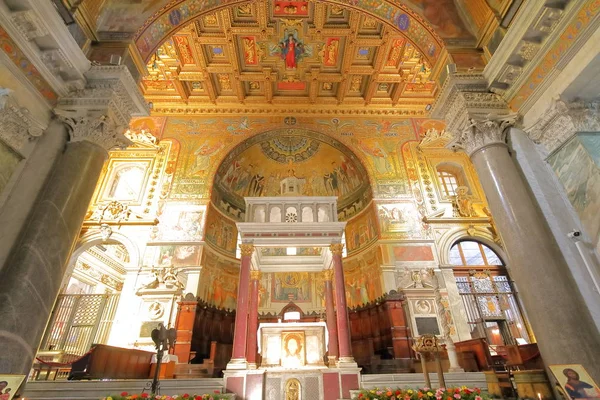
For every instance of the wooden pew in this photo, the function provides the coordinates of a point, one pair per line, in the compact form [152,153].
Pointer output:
[108,362]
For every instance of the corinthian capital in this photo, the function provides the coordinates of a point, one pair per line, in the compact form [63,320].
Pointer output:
[101,111]
[247,249]
[100,130]
[478,134]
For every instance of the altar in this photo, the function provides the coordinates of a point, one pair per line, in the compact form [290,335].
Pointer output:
[292,344]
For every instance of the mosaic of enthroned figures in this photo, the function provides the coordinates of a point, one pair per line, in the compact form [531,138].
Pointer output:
[271,52]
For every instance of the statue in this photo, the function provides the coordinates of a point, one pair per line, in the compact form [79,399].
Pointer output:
[462,203]
[153,282]
[170,278]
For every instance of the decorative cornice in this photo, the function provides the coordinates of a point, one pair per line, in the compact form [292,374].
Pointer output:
[247,249]
[562,120]
[534,25]
[17,127]
[204,109]
[58,56]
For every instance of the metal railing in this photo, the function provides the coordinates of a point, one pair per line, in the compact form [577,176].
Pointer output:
[78,321]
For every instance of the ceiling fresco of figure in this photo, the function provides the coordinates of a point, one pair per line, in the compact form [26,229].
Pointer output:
[291,53]
[324,166]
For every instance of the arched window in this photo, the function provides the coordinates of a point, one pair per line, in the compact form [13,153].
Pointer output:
[493,309]
[450,176]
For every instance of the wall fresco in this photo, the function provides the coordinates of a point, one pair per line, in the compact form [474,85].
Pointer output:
[363,278]
[291,286]
[399,220]
[179,222]
[219,281]
[220,231]
[361,231]
[579,174]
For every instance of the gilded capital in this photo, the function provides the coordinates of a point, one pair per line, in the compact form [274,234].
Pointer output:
[247,249]
[336,249]
[255,275]
[327,274]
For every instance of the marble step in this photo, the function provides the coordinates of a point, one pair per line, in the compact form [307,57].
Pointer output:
[95,390]
[417,380]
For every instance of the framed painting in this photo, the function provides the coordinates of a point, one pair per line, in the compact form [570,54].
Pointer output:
[575,381]
[9,385]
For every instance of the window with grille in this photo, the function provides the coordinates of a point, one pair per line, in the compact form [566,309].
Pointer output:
[490,300]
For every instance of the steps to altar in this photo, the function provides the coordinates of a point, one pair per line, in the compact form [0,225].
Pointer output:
[94,390]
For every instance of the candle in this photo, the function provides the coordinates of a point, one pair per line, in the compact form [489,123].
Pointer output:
[539,396]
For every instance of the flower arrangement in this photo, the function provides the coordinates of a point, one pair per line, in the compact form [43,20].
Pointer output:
[186,396]
[458,393]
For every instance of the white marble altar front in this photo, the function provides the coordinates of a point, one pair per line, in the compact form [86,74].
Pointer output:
[292,344]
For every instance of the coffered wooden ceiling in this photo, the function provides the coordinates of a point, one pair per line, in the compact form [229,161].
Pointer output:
[289,55]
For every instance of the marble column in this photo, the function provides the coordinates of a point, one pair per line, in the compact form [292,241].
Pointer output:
[343,324]
[30,281]
[238,358]
[333,351]
[253,319]
[562,324]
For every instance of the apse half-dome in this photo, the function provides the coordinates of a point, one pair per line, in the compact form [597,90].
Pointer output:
[323,166]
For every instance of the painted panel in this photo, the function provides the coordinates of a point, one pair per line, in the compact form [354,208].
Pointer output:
[413,253]
[291,286]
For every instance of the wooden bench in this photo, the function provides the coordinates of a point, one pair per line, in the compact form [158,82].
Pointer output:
[108,362]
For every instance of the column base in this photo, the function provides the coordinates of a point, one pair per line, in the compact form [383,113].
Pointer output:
[456,369]
[252,365]
[346,362]
[237,364]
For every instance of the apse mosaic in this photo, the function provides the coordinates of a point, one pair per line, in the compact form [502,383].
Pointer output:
[324,167]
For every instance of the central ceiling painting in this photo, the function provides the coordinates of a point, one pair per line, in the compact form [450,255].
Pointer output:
[323,166]
[289,52]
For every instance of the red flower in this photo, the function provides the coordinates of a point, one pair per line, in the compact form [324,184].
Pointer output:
[388,393]
[144,395]
[124,394]
[360,395]
[420,395]
[457,390]
[398,392]
[186,396]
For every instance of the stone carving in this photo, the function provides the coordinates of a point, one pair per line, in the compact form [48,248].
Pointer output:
[17,127]
[105,232]
[478,134]
[562,120]
[415,279]
[114,211]
[462,203]
[155,310]
[99,130]
[434,137]
[142,138]
[100,112]
[162,278]
[29,24]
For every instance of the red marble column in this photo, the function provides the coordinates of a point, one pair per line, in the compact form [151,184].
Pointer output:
[343,325]
[238,358]
[330,312]
[253,319]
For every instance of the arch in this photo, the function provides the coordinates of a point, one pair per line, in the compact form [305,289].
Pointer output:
[237,166]
[175,15]
[451,237]
[93,238]
[307,214]
[275,214]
